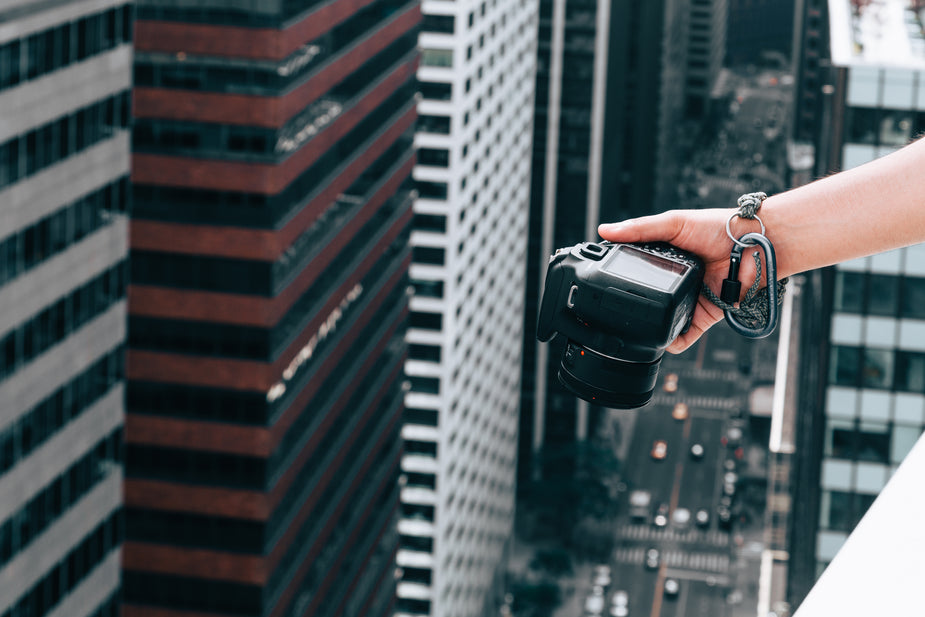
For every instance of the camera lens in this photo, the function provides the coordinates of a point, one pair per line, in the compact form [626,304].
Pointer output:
[607,381]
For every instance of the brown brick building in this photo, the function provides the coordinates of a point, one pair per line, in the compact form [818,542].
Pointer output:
[269,247]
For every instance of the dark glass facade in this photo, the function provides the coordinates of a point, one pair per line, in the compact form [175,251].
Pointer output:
[627,159]
[272,153]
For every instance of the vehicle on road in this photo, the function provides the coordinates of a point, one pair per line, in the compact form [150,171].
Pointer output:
[680,412]
[660,519]
[672,587]
[620,604]
[594,604]
[697,451]
[659,449]
[671,383]
[681,518]
[640,504]
[601,576]
[702,517]
[653,559]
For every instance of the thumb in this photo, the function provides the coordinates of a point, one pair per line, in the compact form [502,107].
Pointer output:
[664,227]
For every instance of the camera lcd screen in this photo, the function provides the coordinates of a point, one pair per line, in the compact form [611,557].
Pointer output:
[650,270]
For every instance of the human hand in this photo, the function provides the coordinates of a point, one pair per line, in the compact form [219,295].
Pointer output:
[702,232]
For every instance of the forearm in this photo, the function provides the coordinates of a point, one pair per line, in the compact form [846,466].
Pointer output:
[869,209]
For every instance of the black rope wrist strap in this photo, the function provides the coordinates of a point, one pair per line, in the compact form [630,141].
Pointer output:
[753,316]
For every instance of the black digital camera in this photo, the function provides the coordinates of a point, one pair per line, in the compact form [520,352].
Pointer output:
[619,306]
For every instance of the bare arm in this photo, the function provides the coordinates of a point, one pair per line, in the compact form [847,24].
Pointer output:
[872,208]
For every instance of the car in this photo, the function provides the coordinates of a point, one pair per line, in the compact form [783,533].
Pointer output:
[594,604]
[602,579]
[702,517]
[671,383]
[680,412]
[620,604]
[672,587]
[652,559]
[724,517]
[733,437]
[681,518]
[697,451]
[729,464]
[659,449]
[661,515]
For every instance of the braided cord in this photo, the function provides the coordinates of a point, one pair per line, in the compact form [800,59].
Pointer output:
[753,310]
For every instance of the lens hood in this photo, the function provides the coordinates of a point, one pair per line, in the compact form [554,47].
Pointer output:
[629,385]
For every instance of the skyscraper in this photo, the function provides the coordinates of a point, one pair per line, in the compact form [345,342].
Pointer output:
[271,168]
[466,325]
[65,78]
[609,102]
[875,400]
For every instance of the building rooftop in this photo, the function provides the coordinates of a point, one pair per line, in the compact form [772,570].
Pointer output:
[878,32]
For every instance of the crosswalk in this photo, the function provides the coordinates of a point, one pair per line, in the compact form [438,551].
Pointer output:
[701,402]
[684,560]
[648,533]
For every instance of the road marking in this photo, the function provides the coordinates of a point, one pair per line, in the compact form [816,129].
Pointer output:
[659,590]
[679,467]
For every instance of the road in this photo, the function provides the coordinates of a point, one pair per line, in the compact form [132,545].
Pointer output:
[714,381]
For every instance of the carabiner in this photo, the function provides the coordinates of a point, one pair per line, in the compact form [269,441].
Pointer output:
[751,239]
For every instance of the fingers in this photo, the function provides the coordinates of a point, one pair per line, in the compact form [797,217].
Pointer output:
[659,227]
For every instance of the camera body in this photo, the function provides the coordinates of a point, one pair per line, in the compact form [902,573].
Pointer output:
[619,306]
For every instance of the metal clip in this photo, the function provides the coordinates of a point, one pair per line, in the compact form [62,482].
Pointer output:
[752,239]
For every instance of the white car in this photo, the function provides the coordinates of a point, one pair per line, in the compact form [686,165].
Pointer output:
[594,604]
[619,605]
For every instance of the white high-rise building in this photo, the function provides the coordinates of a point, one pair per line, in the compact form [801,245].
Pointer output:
[478,63]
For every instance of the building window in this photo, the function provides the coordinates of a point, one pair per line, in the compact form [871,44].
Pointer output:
[423,417]
[425,385]
[443,24]
[434,124]
[413,446]
[437,57]
[430,255]
[427,353]
[877,371]
[428,289]
[849,291]
[436,157]
[425,321]
[429,222]
[432,190]
[913,298]
[436,91]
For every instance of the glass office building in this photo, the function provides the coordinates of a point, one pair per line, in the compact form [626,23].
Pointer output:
[875,403]
[65,79]
[272,158]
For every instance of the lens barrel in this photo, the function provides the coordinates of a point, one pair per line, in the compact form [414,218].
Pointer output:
[607,381]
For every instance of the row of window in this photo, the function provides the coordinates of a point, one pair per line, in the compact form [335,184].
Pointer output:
[277,79]
[858,444]
[69,487]
[269,211]
[28,154]
[880,294]
[48,592]
[59,408]
[55,233]
[884,369]
[268,343]
[223,140]
[41,53]
[883,127]
[50,326]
